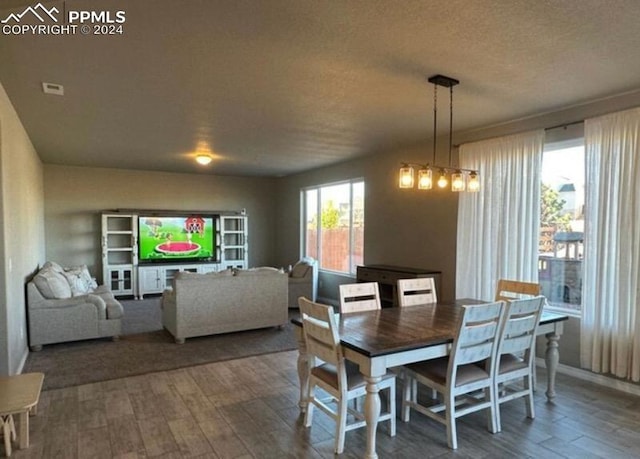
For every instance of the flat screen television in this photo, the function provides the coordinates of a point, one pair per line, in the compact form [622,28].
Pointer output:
[177,238]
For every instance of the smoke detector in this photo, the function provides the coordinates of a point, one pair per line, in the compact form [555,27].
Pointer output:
[53,88]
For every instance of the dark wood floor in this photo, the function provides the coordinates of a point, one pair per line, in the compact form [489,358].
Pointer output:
[247,408]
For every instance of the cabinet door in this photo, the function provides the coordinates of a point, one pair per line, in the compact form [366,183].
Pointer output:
[121,281]
[151,280]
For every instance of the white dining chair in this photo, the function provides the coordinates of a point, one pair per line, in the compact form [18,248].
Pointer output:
[459,375]
[418,290]
[331,372]
[508,290]
[363,296]
[360,297]
[515,353]
[412,292]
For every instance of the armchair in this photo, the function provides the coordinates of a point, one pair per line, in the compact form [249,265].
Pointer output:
[63,306]
[303,281]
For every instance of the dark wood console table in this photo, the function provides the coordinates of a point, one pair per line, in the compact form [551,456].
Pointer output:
[387,278]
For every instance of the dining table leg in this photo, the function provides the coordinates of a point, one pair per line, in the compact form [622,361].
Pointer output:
[303,369]
[552,357]
[372,414]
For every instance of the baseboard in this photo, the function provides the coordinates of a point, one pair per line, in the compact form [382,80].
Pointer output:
[602,380]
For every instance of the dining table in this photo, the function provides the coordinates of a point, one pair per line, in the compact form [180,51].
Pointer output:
[389,337]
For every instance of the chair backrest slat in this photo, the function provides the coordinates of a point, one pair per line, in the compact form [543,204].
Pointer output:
[363,296]
[515,345]
[508,290]
[320,341]
[477,334]
[518,326]
[476,353]
[416,291]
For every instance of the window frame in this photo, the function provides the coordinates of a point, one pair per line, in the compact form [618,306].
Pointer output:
[304,208]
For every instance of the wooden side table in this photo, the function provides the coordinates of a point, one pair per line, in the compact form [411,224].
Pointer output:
[19,395]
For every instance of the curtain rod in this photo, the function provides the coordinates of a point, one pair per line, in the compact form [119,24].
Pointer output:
[564,125]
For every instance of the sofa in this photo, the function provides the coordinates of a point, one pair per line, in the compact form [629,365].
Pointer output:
[303,281]
[66,304]
[223,302]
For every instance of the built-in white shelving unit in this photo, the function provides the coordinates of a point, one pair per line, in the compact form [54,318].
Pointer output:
[120,252]
[234,241]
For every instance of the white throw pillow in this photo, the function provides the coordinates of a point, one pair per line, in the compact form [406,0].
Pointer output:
[80,280]
[53,266]
[52,284]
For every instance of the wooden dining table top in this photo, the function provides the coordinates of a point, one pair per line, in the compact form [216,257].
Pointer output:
[398,329]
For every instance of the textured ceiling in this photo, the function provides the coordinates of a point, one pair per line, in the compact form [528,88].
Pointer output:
[274,87]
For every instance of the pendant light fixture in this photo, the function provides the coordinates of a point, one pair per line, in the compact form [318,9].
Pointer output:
[460,179]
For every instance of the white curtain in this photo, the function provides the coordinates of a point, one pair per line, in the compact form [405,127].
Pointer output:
[498,227]
[610,338]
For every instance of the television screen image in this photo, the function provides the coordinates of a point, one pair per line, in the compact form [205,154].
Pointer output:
[177,238]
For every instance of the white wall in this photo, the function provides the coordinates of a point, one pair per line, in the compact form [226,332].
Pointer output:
[22,230]
[75,196]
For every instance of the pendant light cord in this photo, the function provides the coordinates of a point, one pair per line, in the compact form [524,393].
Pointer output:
[435,120]
[450,121]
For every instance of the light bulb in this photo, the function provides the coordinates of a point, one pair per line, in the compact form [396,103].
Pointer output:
[443,181]
[425,178]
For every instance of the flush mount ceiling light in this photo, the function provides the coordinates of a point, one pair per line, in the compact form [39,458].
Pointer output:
[203,159]
[461,179]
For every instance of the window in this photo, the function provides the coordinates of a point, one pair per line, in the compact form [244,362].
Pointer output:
[562,224]
[333,225]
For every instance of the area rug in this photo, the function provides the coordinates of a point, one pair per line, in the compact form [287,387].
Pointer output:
[145,347]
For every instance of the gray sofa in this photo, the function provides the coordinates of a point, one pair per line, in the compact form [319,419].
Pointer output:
[65,304]
[227,301]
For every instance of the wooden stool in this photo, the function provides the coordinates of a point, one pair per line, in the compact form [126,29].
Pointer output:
[19,395]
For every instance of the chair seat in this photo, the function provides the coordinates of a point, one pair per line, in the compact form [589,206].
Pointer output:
[436,371]
[510,362]
[328,373]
